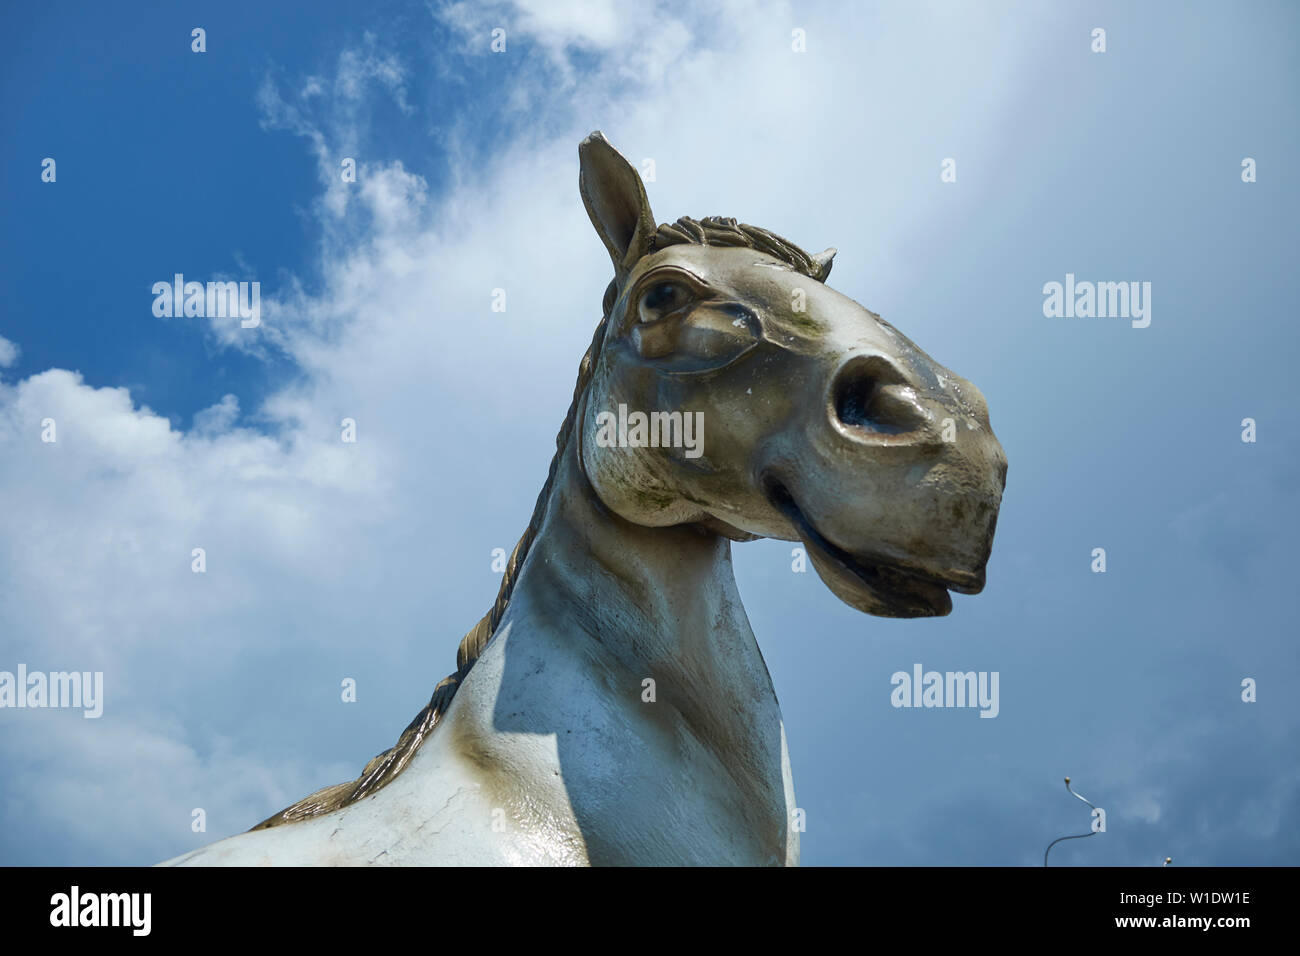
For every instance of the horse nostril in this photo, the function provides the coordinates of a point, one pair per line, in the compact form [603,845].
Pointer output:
[853,400]
[871,394]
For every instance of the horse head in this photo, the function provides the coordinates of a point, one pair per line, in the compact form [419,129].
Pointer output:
[817,420]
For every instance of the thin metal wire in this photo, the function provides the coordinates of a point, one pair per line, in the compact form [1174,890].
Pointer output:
[1077,836]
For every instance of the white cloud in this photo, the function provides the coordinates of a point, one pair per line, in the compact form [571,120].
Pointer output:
[8,352]
[217,418]
[1145,807]
[634,41]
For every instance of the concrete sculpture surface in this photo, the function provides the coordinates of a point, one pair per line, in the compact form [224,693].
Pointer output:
[613,707]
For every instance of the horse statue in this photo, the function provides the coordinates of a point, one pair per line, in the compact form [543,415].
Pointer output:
[613,707]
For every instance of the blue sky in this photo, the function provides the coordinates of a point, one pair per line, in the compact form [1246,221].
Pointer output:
[372,560]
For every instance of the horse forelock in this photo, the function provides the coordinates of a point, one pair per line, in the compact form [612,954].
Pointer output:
[724,231]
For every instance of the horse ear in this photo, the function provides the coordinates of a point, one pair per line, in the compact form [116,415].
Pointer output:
[822,263]
[615,199]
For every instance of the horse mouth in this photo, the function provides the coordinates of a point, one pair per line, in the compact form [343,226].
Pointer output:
[871,583]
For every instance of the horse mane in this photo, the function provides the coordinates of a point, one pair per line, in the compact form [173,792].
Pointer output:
[384,768]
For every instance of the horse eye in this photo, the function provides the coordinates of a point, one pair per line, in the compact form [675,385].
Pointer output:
[661,299]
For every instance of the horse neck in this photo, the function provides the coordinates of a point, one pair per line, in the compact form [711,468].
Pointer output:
[662,601]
